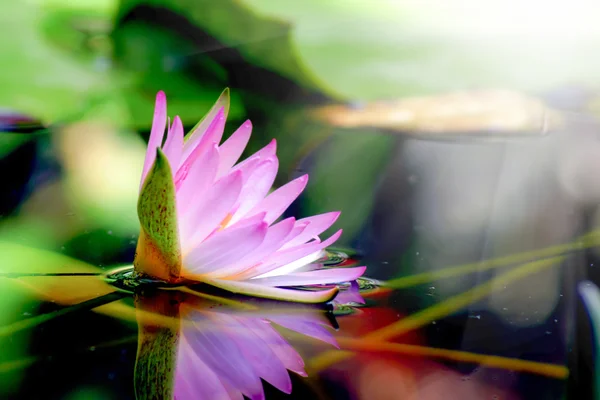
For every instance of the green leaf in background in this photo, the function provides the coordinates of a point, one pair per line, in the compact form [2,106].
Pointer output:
[37,79]
[388,49]
[345,178]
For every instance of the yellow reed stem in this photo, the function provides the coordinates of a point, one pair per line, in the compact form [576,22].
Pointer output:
[437,311]
[586,241]
[512,364]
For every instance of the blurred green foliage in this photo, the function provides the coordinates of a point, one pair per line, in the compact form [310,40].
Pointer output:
[77,63]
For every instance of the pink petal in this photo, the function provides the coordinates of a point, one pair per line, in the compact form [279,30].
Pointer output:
[250,289]
[315,225]
[174,144]
[213,135]
[224,248]
[210,211]
[197,134]
[278,201]
[194,183]
[233,147]
[297,230]
[273,240]
[159,123]
[306,328]
[256,188]
[279,262]
[318,277]
[266,152]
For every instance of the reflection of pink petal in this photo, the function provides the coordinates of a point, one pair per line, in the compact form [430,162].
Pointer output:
[289,357]
[189,385]
[225,355]
[306,328]
[350,295]
[221,354]
[261,357]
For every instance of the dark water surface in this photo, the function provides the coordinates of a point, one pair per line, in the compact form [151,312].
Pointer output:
[201,338]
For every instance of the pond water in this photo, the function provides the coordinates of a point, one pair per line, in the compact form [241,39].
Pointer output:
[96,336]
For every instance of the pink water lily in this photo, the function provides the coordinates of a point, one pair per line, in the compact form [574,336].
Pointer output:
[207,217]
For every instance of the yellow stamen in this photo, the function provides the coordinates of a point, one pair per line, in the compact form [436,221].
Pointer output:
[225,221]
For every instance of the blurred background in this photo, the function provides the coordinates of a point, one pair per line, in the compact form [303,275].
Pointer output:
[447,132]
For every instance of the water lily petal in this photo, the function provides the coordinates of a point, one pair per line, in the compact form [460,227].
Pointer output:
[198,131]
[306,328]
[275,237]
[286,261]
[278,201]
[159,123]
[249,289]
[200,178]
[317,277]
[232,148]
[256,187]
[224,248]
[213,135]
[263,154]
[211,210]
[314,226]
[174,144]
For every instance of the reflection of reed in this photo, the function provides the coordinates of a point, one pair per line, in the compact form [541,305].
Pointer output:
[440,310]
[369,345]
[587,241]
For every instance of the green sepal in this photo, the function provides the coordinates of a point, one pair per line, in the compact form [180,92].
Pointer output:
[222,102]
[158,252]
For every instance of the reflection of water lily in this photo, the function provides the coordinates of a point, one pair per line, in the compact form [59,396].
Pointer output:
[206,218]
[193,348]
[224,356]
